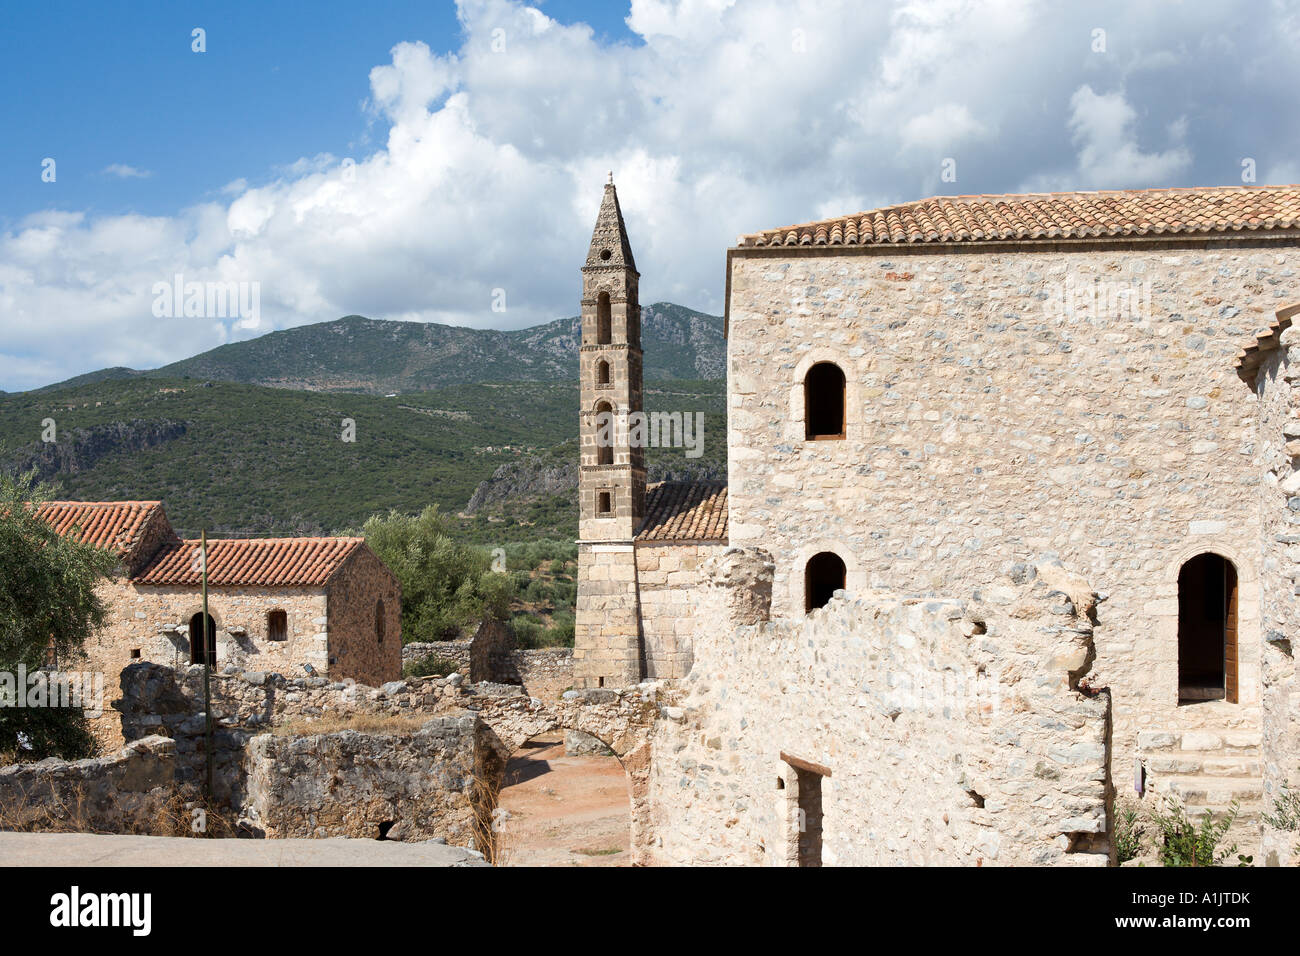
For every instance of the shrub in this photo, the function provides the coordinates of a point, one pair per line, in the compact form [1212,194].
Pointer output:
[1286,812]
[1128,833]
[1184,842]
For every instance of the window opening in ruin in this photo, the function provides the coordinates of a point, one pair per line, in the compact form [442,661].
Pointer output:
[604,503]
[380,622]
[602,372]
[197,655]
[277,625]
[604,323]
[1207,630]
[823,396]
[823,576]
[135,653]
[604,449]
[384,828]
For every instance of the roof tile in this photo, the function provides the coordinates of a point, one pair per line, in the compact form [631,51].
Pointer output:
[1070,215]
[685,511]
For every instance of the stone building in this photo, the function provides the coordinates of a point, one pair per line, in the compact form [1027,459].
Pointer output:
[278,604]
[927,398]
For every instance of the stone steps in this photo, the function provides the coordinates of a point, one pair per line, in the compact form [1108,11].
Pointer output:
[1204,791]
[1207,770]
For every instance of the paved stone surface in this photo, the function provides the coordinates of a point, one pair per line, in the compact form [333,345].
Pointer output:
[94,849]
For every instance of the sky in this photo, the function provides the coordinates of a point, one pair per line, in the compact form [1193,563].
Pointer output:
[438,161]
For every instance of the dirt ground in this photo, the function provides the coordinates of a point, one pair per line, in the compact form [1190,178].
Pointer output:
[564,811]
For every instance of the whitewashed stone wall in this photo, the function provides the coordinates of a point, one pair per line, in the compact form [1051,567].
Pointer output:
[988,427]
[952,730]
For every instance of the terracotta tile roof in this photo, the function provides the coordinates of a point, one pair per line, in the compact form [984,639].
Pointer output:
[1047,216]
[252,562]
[685,511]
[116,526]
[1250,358]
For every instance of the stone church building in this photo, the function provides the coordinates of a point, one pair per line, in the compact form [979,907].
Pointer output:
[282,605]
[938,398]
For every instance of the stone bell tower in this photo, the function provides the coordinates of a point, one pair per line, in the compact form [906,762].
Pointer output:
[611,485]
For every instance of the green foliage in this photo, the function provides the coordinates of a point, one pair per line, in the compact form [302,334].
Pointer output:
[431,665]
[532,633]
[1286,812]
[1128,834]
[269,461]
[1181,841]
[447,586]
[48,606]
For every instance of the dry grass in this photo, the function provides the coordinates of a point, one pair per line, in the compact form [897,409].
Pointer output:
[180,814]
[361,722]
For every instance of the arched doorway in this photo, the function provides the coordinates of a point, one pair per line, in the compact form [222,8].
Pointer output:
[565,800]
[197,653]
[824,574]
[1207,630]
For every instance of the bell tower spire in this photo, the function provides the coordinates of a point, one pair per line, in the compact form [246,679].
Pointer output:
[611,504]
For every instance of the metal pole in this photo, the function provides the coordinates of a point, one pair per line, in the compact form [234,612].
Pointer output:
[207,665]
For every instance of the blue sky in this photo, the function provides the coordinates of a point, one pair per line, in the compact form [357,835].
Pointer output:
[443,162]
[115,83]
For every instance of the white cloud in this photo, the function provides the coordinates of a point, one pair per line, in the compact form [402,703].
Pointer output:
[1105,129]
[122,171]
[727,118]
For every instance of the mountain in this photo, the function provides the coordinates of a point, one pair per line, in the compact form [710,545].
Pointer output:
[250,460]
[356,354]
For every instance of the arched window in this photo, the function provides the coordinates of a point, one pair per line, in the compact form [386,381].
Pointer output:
[277,625]
[1207,630]
[822,577]
[823,402]
[380,623]
[197,654]
[603,322]
[604,434]
[602,372]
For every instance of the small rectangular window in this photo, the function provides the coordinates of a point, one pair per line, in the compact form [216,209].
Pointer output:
[135,653]
[604,503]
[277,626]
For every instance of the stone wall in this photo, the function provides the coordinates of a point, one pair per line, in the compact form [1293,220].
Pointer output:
[994,419]
[942,731]
[410,786]
[545,672]
[668,581]
[360,647]
[131,791]
[1279,491]
[152,624]
[607,616]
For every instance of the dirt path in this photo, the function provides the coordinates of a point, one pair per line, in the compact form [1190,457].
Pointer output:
[564,811]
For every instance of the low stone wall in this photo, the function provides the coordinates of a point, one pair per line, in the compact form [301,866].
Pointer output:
[456,652]
[545,672]
[408,786]
[131,791]
[930,731]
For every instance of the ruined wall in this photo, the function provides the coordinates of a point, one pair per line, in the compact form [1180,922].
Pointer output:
[545,672]
[358,647]
[401,786]
[990,425]
[130,791]
[950,729]
[1279,492]
[155,622]
[668,582]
